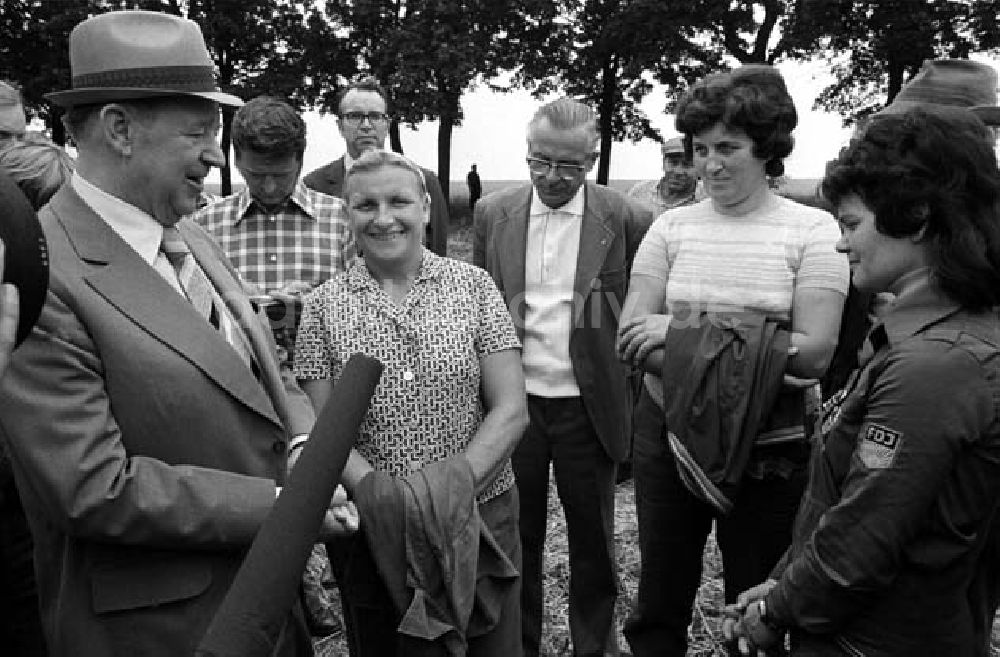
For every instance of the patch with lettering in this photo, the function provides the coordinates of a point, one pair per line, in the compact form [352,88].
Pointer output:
[878,446]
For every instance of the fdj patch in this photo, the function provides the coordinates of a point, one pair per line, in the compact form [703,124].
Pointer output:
[878,446]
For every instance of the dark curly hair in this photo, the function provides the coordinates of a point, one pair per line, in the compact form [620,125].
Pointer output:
[752,98]
[270,127]
[931,170]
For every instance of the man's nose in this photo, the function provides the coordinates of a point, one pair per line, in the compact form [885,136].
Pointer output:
[213,156]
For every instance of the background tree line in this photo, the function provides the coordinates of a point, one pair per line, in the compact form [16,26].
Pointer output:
[609,52]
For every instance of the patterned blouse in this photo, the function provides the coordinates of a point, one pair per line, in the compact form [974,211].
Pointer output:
[427,406]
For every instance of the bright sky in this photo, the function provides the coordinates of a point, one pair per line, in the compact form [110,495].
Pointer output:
[492,134]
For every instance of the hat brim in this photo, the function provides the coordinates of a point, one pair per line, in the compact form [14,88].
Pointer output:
[988,114]
[96,95]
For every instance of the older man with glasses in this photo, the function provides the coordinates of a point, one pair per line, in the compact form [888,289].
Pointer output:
[363,121]
[560,250]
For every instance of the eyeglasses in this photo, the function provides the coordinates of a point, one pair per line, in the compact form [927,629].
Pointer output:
[564,170]
[355,118]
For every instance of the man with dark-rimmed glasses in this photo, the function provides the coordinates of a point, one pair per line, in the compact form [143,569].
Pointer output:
[363,122]
[560,250]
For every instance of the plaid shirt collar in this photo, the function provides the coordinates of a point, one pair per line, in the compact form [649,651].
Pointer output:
[359,278]
[300,197]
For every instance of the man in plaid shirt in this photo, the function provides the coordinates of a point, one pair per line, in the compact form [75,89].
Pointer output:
[282,237]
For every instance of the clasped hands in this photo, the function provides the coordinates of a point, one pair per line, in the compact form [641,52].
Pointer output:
[745,631]
[341,518]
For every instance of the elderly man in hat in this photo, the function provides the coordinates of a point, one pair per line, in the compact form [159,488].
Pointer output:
[147,418]
[679,183]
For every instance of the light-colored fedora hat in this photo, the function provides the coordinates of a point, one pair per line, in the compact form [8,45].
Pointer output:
[953,83]
[129,55]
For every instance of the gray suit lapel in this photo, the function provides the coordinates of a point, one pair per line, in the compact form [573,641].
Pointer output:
[596,237]
[135,289]
[511,245]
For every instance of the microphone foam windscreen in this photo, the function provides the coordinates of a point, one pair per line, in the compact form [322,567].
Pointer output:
[250,617]
[27,256]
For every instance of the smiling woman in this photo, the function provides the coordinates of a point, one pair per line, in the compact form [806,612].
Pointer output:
[442,425]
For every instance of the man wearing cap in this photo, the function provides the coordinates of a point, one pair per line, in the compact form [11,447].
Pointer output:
[363,121]
[147,418]
[678,185]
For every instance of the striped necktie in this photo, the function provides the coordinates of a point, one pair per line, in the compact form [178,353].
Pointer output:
[202,295]
[192,279]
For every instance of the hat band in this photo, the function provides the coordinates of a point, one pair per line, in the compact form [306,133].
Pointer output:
[181,78]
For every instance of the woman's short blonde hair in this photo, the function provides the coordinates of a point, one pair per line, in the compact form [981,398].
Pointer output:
[374,160]
[37,165]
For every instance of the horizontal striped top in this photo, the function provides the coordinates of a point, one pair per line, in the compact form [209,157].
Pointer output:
[754,262]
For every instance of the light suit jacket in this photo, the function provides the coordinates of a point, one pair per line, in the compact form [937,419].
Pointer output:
[329,179]
[145,451]
[613,226]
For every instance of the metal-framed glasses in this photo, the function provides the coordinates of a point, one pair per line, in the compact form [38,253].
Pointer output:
[564,170]
[355,118]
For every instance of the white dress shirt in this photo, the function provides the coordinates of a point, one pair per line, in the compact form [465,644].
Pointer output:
[551,250]
[139,229]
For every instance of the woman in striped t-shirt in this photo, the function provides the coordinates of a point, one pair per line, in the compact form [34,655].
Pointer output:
[742,249]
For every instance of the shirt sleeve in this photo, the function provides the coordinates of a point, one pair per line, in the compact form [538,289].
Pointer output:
[651,257]
[821,265]
[313,355]
[905,452]
[496,327]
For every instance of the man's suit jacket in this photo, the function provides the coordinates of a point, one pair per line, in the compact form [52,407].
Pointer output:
[613,226]
[145,451]
[329,179]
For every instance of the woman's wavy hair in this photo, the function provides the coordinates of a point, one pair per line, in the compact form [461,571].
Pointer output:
[931,172]
[752,98]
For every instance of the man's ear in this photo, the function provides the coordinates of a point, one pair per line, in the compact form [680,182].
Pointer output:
[118,128]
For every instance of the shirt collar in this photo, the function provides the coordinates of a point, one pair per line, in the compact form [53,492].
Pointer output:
[918,304]
[139,229]
[359,278]
[574,206]
[300,197]
[348,162]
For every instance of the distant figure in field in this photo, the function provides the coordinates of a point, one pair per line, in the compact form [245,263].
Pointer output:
[679,183]
[475,186]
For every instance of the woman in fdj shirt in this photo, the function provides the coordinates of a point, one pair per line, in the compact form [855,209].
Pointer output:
[742,249]
[905,478]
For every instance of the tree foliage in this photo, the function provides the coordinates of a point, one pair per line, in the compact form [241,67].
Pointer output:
[428,53]
[874,46]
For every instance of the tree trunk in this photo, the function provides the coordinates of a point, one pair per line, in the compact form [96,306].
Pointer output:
[225,172]
[395,143]
[445,127]
[606,111]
